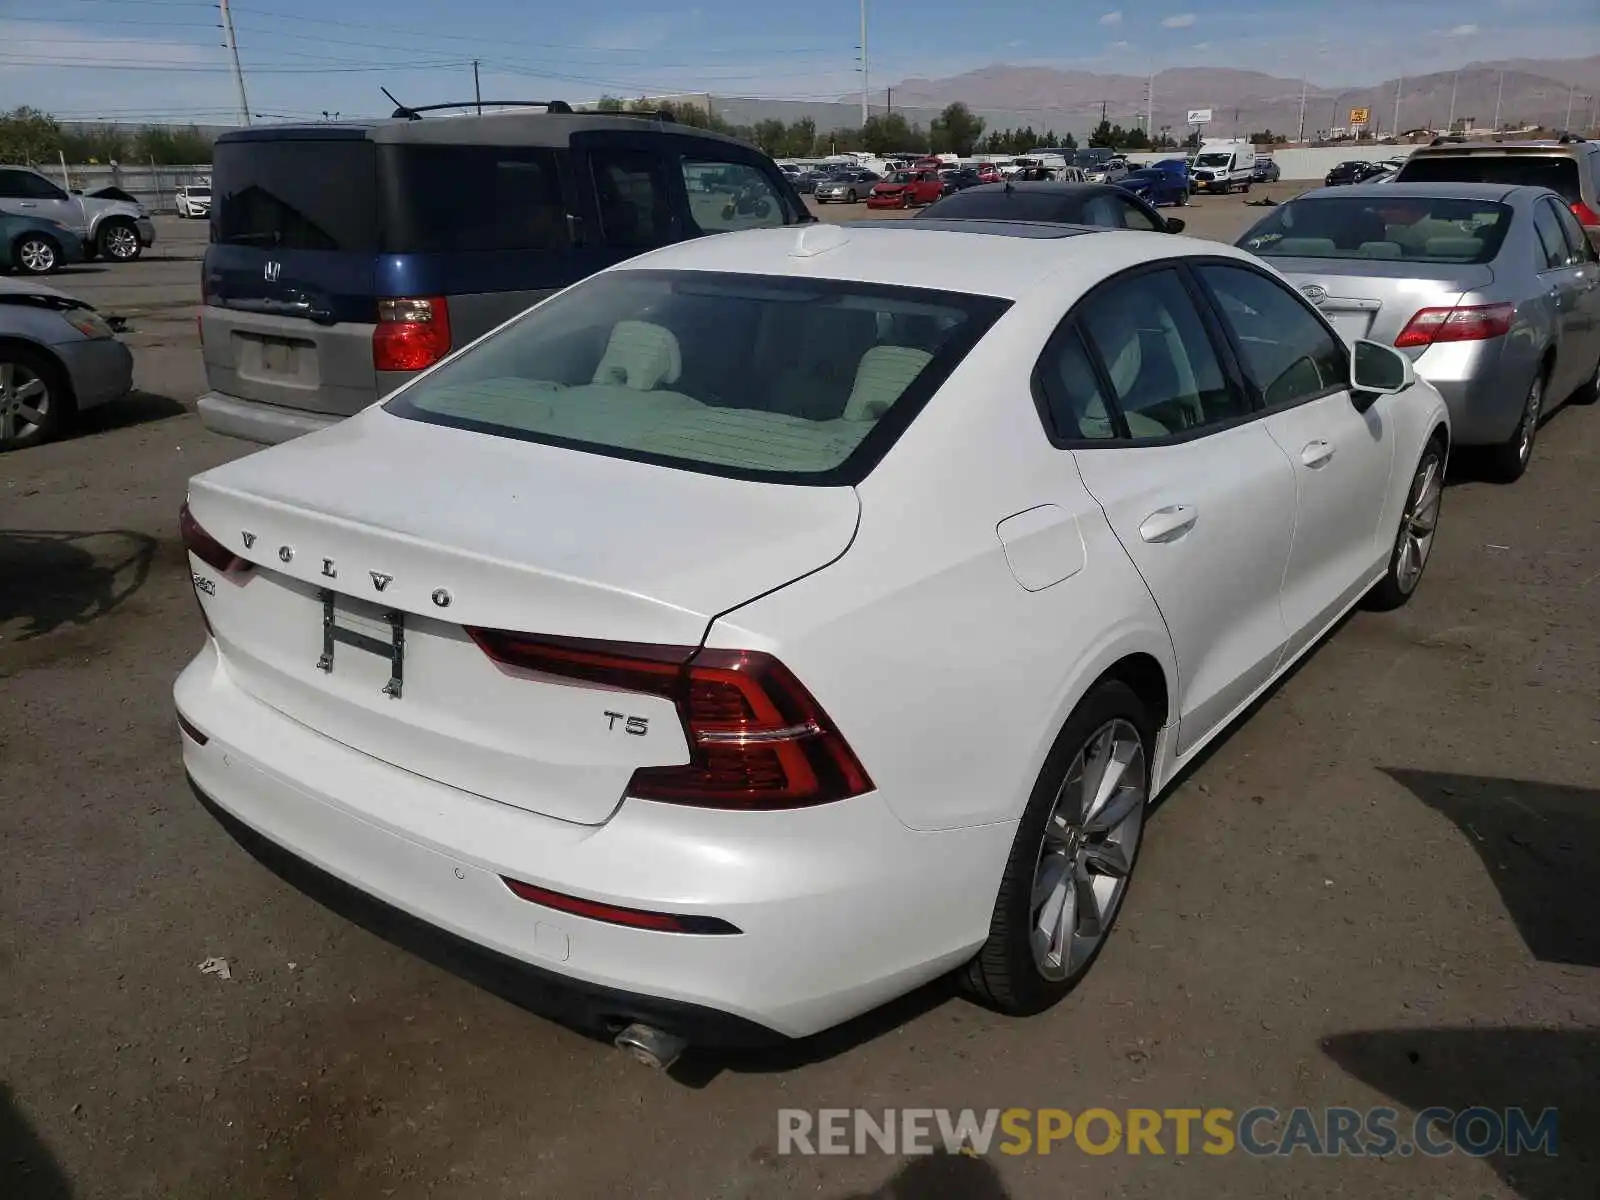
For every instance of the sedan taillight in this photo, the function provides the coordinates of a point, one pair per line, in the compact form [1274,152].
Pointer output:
[757,738]
[1464,323]
[206,548]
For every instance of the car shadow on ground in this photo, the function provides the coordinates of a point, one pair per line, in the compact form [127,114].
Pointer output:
[136,408]
[1496,1069]
[1539,843]
[28,1171]
[52,579]
[78,269]
[940,1177]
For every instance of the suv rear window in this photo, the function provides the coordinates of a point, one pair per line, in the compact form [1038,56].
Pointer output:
[446,199]
[1558,172]
[759,377]
[295,195]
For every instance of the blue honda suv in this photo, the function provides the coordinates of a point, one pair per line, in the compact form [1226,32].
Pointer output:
[345,258]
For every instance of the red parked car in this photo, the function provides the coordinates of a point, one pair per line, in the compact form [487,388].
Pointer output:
[989,173]
[905,189]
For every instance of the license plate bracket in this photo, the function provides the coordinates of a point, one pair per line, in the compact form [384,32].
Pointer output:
[394,649]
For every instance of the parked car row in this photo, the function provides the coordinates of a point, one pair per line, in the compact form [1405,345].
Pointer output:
[104,227]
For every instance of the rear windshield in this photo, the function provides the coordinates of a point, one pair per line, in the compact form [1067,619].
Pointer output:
[349,195]
[1019,205]
[1400,228]
[295,195]
[759,377]
[1554,171]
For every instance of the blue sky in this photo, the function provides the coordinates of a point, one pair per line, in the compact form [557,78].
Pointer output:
[128,59]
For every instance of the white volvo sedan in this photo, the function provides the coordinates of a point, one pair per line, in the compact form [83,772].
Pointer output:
[774,622]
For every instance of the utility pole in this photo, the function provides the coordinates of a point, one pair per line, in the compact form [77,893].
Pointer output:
[233,51]
[1566,127]
[1302,135]
[1150,103]
[1398,84]
[477,93]
[866,108]
[1499,96]
[1454,80]
[1102,112]
[888,101]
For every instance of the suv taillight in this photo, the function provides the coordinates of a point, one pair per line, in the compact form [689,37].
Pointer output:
[757,738]
[1585,214]
[1464,323]
[413,333]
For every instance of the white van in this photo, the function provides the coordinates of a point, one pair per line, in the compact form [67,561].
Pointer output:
[1223,167]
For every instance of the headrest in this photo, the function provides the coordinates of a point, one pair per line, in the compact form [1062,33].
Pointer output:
[641,356]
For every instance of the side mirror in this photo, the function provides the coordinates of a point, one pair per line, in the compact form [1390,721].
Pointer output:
[1176,225]
[1378,370]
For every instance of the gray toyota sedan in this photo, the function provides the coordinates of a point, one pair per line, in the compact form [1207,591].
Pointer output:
[1493,291]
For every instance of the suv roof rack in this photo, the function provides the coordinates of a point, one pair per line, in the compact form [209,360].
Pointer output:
[414,112]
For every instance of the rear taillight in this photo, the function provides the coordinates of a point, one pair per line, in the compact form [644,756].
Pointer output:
[206,548]
[757,738]
[1465,323]
[1585,214]
[413,333]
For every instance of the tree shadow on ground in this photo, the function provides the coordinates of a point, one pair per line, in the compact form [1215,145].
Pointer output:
[50,579]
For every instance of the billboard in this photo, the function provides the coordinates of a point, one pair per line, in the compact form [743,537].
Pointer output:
[1199,116]
[1360,117]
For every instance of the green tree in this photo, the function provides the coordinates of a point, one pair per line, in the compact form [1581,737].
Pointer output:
[955,130]
[1267,138]
[1135,139]
[1103,134]
[890,132]
[608,104]
[28,136]
[802,139]
[171,146]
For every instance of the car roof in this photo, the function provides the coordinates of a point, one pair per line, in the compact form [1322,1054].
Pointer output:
[522,127]
[1007,259]
[1455,149]
[1499,192]
[1056,187]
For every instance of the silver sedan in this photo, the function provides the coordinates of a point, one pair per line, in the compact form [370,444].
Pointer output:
[58,356]
[1493,291]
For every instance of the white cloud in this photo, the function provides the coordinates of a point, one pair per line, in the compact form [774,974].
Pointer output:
[1202,45]
[1180,21]
[1463,31]
[1121,46]
[1112,18]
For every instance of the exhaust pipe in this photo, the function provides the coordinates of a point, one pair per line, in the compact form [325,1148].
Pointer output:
[653,1047]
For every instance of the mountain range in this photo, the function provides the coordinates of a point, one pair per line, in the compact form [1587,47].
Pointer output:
[1535,91]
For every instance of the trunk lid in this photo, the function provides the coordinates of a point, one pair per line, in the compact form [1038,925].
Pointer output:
[1374,298]
[382,522]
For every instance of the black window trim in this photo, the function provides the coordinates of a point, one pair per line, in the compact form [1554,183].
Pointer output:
[1258,399]
[1221,346]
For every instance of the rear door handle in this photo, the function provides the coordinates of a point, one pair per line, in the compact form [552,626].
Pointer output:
[1169,524]
[1317,454]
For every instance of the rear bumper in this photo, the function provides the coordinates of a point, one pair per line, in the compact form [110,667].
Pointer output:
[1484,388]
[840,907]
[257,422]
[101,370]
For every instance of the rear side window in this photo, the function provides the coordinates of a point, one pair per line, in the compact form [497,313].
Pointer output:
[1552,242]
[631,190]
[295,195]
[1287,353]
[724,196]
[777,378]
[1557,172]
[450,199]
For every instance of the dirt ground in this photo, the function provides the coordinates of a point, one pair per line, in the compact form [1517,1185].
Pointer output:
[1380,889]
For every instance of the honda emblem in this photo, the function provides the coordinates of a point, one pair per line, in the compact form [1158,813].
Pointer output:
[273,269]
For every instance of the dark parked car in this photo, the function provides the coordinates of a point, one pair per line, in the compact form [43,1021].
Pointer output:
[1162,183]
[320,300]
[1354,171]
[1100,204]
[962,178]
[1266,171]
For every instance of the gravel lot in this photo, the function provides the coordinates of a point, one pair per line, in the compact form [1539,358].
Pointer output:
[1381,889]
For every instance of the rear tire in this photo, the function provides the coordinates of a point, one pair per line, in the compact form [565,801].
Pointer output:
[33,396]
[1508,461]
[1067,877]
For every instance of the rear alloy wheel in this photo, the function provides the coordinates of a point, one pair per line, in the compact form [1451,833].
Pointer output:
[30,400]
[1509,460]
[1075,847]
[850,196]
[36,255]
[119,241]
[1419,525]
